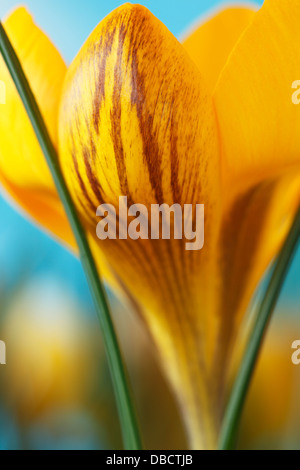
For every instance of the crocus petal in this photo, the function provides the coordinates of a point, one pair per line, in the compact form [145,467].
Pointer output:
[252,232]
[261,156]
[210,44]
[259,123]
[23,170]
[136,121]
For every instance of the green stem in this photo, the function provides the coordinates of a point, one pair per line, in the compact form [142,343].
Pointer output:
[123,397]
[241,386]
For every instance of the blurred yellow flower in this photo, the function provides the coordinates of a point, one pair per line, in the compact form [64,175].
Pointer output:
[51,345]
[139,118]
[271,417]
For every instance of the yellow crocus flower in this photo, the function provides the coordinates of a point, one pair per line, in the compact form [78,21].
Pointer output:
[144,117]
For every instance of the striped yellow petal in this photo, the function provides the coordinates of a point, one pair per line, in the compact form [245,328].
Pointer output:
[210,43]
[136,121]
[23,171]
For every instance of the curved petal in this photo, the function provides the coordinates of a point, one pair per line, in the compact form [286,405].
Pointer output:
[252,233]
[259,123]
[23,169]
[137,121]
[259,128]
[211,43]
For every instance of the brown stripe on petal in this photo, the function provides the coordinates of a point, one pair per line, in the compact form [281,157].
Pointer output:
[94,160]
[235,260]
[174,161]
[84,191]
[95,184]
[152,154]
[116,113]
[82,187]
[186,257]
[101,52]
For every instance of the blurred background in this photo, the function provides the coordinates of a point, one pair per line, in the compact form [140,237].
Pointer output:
[55,392]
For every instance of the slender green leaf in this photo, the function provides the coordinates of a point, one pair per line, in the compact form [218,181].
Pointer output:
[240,388]
[128,421]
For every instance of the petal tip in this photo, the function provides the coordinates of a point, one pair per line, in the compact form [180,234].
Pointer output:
[16,16]
[131,11]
